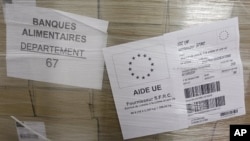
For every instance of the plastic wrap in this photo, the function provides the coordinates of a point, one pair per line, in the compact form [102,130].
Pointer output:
[72,113]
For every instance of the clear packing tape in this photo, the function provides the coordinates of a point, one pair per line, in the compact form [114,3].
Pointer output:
[72,113]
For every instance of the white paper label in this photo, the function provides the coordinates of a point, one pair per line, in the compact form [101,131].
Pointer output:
[212,71]
[25,134]
[54,46]
[146,87]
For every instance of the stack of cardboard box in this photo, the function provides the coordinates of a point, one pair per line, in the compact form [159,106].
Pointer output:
[76,114]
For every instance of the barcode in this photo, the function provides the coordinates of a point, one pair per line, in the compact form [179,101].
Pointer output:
[29,136]
[206,104]
[229,113]
[202,89]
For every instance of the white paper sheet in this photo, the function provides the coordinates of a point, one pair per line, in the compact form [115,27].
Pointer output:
[212,71]
[54,46]
[25,134]
[145,86]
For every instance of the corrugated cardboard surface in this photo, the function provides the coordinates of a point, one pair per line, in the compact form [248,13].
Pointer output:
[79,114]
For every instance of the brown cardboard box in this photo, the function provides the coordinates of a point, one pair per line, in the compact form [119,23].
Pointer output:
[81,7]
[133,11]
[62,103]
[15,101]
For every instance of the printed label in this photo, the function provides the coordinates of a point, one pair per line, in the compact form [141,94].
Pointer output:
[54,46]
[211,70]
[26,135]
[144,84]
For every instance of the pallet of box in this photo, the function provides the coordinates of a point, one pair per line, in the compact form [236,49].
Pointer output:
[73,113]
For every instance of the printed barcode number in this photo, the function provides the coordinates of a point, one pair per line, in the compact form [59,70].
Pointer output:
[229,113]
[202,89]
[29,136]
[206,104]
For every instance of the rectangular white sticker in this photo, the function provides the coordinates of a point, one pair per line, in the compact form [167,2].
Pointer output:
[25,134]
[54,46]
[145,86]
[212,71]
